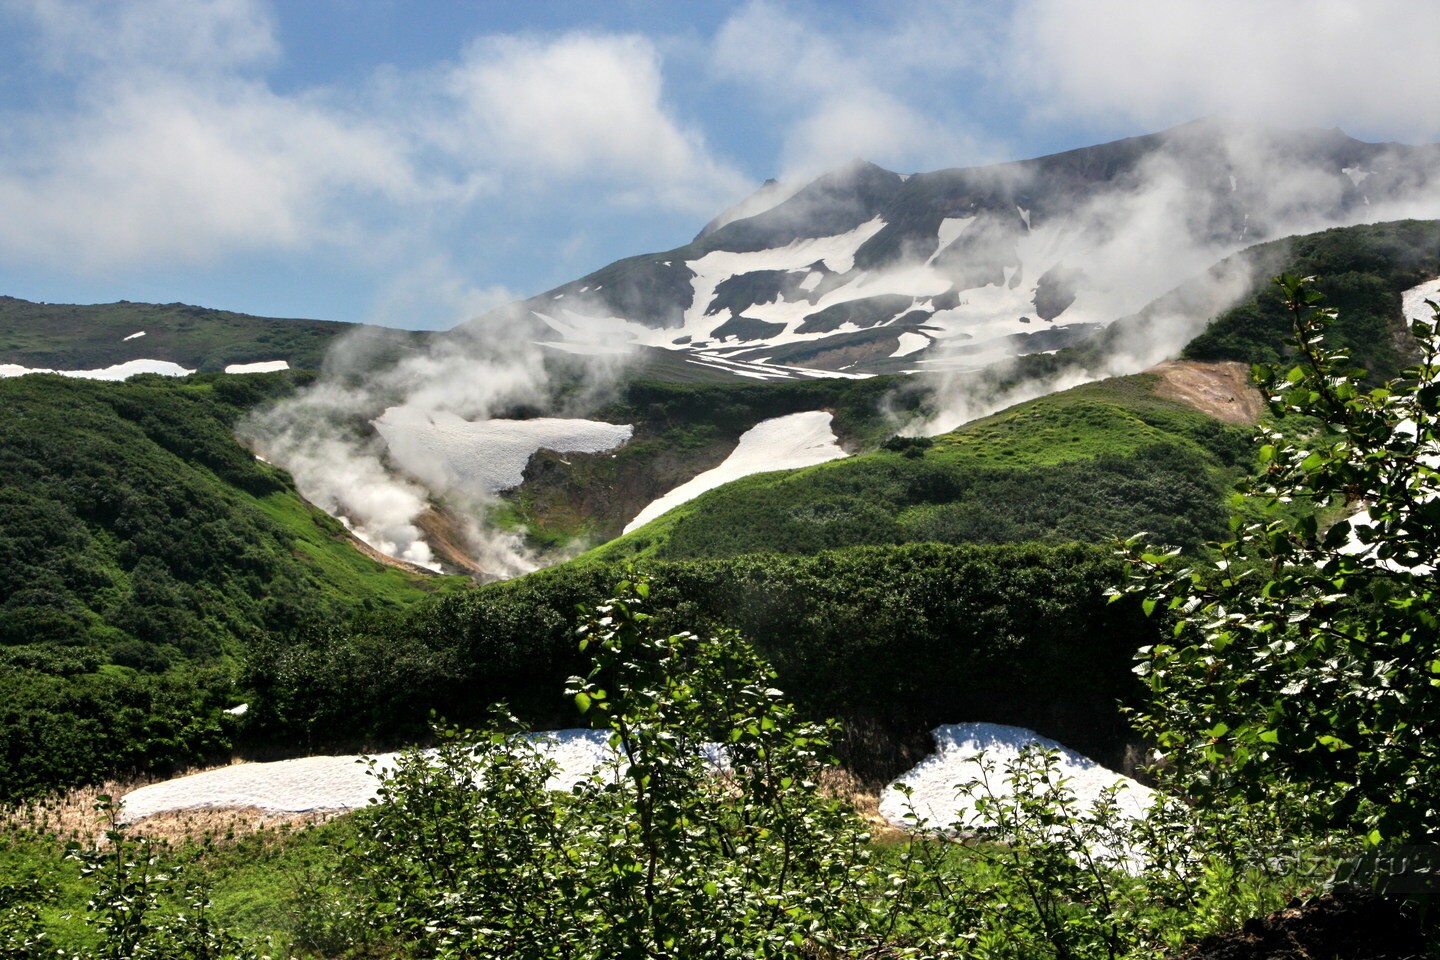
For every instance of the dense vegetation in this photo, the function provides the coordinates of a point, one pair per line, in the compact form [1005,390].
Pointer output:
[1103,460]
[681,429]
[143,551]
[1304,662]
[1360,270]
[892,640]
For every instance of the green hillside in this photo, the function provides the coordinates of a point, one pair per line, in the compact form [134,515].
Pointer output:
[1361,271]
[142,551]
[1103,460]
[683,428]
[57,336]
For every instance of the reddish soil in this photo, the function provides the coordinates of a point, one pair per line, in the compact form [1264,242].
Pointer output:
[1223,390]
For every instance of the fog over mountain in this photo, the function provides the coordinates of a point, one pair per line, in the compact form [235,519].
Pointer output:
[868,271]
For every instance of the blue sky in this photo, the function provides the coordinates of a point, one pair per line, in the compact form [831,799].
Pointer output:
[413,163]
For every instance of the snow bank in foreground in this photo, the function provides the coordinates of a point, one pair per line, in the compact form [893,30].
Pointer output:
[263,366]
[118,372]
[784,443]
[332,783]
[955,761]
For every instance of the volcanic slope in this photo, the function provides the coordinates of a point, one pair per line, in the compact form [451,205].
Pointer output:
[869,271]
[1101,460]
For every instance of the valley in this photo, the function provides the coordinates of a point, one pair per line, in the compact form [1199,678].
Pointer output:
[893,431]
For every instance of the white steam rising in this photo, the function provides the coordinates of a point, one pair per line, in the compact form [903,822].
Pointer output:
[1167,228]
[382,482]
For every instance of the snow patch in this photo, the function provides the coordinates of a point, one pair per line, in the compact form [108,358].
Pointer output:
[910,343]
[1412,301]
[956,761]
[784,443]
[1356,175]
[950,230]
[448,452]
[119,371]
[134,336]
[334,783]
[263,366]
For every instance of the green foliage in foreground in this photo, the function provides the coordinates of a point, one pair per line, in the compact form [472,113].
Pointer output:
[667,853]
[1103,460]
[892,640]
[142,551]
[1306,661]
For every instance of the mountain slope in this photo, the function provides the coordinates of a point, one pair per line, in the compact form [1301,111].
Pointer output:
[864,270]
[73,337]
[1102,460]
[143,551]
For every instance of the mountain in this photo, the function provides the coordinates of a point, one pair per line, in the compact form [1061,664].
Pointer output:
[865,270]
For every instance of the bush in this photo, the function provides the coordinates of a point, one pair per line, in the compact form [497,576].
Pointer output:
[1305,659]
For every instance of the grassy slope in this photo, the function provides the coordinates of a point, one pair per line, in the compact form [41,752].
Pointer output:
[142,552]
[1105,459]
[682,428]
[75,337]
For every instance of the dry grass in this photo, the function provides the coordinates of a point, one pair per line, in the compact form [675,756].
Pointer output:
[76,815]
[841,784]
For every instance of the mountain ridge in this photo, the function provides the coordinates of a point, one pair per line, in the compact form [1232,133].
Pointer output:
[977,263]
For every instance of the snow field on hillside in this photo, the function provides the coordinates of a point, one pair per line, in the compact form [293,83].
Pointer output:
[784,443]
[449,452]
[1412,301]
[962,752]
[130,368]
[119,371]
[973,333]
[262,366]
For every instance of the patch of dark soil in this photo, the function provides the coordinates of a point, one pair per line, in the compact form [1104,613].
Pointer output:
[1349,923]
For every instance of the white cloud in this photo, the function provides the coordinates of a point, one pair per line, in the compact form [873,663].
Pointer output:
[1352,63]
[842,90]
[169,147]
[585,107]
[170,171]
[203,35]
